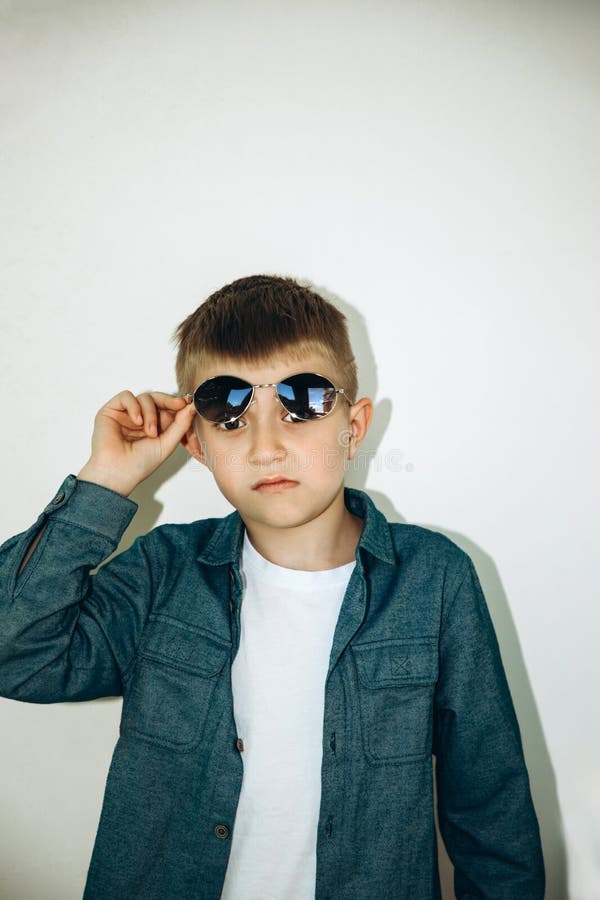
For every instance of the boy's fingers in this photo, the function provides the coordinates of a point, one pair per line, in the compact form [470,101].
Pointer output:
[153,405]
[159,415]
[183,420]
[167,399]
[166,416]
[178,428]
[186,414]
[149,413]
[127,402]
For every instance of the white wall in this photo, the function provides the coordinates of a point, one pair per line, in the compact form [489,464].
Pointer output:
[433,168]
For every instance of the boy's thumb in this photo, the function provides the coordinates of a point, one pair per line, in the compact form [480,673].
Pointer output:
[177,431]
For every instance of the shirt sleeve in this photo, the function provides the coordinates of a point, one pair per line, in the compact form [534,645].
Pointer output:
[485,811]
[66,634]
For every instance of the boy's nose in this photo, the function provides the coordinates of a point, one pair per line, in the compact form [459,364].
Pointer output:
[265,433]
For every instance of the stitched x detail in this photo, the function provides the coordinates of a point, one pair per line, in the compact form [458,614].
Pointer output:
[400,665]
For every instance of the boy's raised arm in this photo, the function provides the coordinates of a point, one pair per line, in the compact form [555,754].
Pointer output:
[65,634]
[485,811]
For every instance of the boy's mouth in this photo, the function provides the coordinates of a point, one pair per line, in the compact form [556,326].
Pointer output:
[273,483]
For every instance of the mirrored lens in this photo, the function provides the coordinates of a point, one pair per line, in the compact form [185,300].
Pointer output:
[222,398]
[307,396]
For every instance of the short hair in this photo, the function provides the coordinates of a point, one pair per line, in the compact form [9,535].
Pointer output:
[253,319]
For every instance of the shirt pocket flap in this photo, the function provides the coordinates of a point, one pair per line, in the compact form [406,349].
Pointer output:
[175,643]
[393,663]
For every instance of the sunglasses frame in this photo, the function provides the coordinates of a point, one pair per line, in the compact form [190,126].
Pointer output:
[273,384]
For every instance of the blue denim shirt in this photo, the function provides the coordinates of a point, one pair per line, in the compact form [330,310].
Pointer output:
[414,672]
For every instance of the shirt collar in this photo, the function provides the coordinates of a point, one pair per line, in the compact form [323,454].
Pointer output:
[226,542]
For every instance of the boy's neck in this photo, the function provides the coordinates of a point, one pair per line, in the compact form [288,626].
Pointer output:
[326,542]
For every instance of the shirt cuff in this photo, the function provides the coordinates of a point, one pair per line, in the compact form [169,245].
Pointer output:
[92,506]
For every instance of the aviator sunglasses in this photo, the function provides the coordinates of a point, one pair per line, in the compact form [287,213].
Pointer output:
[306,396]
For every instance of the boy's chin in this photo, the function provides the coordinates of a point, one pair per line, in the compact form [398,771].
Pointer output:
[284,510]
[277,511]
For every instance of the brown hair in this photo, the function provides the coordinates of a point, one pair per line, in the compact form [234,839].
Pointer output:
[254,318]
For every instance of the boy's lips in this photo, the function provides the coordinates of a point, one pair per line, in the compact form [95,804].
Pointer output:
[273,481]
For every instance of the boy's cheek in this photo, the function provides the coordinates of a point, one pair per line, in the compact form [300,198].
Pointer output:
[226,464]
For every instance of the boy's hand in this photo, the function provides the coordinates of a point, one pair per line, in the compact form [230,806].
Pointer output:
[133,436]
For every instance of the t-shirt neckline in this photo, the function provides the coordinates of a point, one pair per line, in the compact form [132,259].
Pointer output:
[300,578]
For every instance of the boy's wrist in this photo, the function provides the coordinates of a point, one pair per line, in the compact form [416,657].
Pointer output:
[105,478]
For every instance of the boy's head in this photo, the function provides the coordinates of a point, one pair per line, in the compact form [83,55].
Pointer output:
[263,329]
[256,318]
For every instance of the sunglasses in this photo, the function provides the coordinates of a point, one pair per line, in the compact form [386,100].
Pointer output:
[306,396]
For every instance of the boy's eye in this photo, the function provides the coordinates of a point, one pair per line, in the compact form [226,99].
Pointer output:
[227,426]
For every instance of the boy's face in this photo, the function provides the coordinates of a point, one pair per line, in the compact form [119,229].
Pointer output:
[265,441]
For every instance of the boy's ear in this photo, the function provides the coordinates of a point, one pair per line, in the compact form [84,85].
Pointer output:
[193,444]
[361,414]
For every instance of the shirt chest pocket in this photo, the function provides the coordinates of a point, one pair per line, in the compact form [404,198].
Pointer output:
[169,692]
[396,682]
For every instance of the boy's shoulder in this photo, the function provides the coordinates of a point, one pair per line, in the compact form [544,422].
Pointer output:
[401,542]
[423,554]
[411,538]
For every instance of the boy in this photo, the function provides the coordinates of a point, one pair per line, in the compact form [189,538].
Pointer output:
[287,671]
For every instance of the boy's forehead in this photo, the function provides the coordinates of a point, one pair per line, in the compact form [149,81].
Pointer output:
[274,369]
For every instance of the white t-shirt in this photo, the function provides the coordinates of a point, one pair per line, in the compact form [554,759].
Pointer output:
[288,619]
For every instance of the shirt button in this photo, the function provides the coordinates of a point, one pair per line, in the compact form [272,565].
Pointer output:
[221,831]
[239,744]
[59,498]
